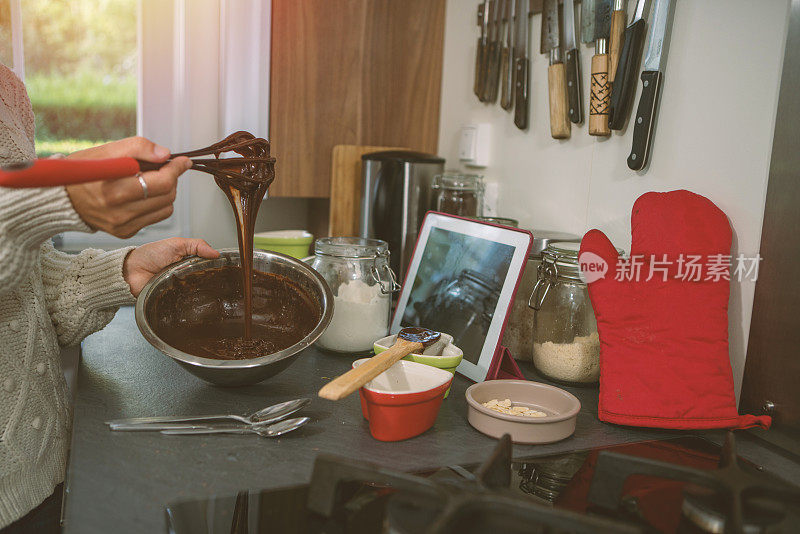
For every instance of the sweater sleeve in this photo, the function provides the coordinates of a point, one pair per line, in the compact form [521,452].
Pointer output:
[29,217]
[83,291]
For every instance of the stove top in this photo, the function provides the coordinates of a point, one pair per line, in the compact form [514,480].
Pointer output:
[681,485]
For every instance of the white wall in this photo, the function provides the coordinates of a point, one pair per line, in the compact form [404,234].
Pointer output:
[713,137]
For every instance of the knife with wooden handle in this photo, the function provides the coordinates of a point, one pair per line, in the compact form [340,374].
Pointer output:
[652,77]
[616,39]
[506,60]
[628,69]
[600,92]
[521,65]
[556,71]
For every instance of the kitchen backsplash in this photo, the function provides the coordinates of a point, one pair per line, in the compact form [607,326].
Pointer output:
[713,137]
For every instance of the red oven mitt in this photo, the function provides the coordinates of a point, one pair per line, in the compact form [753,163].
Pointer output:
[664,341]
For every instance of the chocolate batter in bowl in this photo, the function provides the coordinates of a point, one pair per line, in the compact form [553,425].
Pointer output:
[193,311]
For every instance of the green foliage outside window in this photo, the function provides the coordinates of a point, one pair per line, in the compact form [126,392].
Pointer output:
[80,63]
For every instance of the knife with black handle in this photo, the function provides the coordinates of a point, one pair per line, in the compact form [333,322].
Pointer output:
[480,53]
[521,66]
[572,64]
[492,47]
[495,49]
[652,77]
[629,60]
[506,60]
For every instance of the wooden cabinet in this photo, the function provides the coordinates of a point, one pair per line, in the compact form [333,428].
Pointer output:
[359,72]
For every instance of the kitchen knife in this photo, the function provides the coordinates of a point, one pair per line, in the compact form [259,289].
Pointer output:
[495,45]
[599,98]
[556,71]
[652,77]
[629,60]
[573,64]
[506,60]
[587,21]
[480,53]
[616,39]
[521,65]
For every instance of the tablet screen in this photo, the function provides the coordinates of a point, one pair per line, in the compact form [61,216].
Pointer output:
[457,286]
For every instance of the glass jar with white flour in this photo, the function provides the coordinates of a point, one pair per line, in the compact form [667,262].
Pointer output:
[357,271]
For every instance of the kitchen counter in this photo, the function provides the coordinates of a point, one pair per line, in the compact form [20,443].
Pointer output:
[121,481]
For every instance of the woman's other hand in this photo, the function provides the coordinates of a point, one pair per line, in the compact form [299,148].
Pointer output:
[119,207]
[147,260]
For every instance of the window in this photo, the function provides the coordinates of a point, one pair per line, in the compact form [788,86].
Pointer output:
[80,71]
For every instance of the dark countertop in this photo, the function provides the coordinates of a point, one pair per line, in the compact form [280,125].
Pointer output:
[121,481]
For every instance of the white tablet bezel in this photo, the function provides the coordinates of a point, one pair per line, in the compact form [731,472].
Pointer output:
[519,239]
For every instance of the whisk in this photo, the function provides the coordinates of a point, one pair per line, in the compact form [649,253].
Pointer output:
[254,165]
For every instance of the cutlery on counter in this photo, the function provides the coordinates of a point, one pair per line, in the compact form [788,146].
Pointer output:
[409,339]
[556,71]
[625,82]
[573,64]
[652,77]
[521,65]
[270,431]
[506,59]
[616,38]
[600,88]
[262,417]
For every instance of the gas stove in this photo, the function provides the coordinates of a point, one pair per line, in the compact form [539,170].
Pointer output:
[681,485]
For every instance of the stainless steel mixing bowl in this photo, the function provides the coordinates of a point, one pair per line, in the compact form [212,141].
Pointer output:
[237,372]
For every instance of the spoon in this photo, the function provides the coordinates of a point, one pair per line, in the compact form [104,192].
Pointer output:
[266,415]
[271,431]
[409,339]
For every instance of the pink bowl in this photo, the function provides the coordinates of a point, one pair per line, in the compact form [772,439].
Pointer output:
[403,401]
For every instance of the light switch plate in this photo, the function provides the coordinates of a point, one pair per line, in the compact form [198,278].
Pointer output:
[473,144]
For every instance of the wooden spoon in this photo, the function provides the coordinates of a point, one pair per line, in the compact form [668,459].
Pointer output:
[409,340]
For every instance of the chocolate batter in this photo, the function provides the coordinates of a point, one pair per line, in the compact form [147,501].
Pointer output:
[245,182]
[233,313]
[203,314]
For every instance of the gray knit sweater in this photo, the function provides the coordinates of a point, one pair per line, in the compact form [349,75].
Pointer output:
[47,299]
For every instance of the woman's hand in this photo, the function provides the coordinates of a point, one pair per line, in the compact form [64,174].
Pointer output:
[118,207]
[145,261]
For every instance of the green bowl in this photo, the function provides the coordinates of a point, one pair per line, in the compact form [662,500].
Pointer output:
[293,243]
[448,361]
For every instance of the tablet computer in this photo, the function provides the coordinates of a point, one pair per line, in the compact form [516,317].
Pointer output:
[461,280]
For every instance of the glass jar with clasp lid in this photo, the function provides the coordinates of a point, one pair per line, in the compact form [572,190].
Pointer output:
[566,345]
[459,194]
[358,273]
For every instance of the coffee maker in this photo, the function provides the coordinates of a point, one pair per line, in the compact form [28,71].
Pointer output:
[397,194]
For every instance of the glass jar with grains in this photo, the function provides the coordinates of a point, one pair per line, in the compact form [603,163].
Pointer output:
[459,194]
[357,271]
[566,346]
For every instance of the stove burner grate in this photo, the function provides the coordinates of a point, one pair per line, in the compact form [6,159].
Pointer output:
[451,504]
[729,500]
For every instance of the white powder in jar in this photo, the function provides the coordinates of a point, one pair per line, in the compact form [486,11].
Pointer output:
[360,317]
[578,361]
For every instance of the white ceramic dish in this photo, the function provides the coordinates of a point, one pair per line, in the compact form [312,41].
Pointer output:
[405,378]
